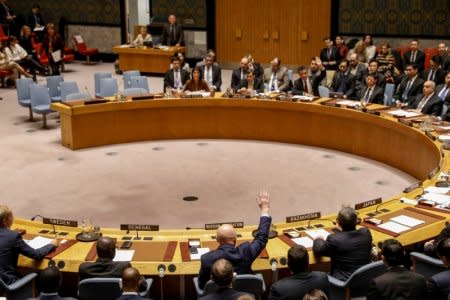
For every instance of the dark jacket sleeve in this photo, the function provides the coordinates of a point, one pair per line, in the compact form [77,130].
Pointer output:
[373,293]
[261,237]
[26,250]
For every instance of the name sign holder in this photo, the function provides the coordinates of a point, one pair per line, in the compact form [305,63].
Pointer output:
[368,203]
[57,222]
[304,217]
[214,226]
[137,228]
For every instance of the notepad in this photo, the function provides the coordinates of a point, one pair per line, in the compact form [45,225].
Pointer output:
[317,233]
[348,103]
[303,98]
[394,227]
[123,255]
[304,241]
[437,190]
[38,242]
[407,221]
[200,252]
[438,198]
[404,113]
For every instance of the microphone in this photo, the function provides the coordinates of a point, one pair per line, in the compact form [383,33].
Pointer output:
[36,216]
[377,211]
[193,228]
[319,219]
[161,270]
[412,187]
[273,264]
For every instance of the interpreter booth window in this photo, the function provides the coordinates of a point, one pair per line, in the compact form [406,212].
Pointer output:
[196,43]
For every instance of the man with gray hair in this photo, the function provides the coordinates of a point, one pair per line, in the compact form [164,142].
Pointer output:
[428,102]
[12,244]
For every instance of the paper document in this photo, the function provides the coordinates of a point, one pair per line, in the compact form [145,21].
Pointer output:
[303,98]
[348,103]
[304,241]
[443,137]
[438,198]
[317,233]
[394,227]
[407,221]
[404,113]
[38,242]
[201,251]
[437,190]
[56,56]
[123,255]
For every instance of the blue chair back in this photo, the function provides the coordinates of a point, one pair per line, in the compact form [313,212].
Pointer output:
[140,82]
[97,77]
[39,95]
[99,289]
[290,74]
[68,87]
[388,93]
[53,86]
[77,96]
[444,110]
[324,92]
[426,265]
[20,289]
[134,92]
[108,87]
[250,283]
[23,89]
[127,78]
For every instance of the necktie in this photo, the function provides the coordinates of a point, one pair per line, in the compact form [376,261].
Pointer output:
[329,54]
[408,87]
[431,75]
[208,76]
[367,96]
[172,34]
[443,93]
[177,79]
[413,57]
[341,88]
[273,80]
[422,103]
[305,86]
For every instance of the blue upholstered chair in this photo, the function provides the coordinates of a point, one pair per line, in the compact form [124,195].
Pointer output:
[140,82]
[444,110]
[105,289]
[324,92]
[97,77]
[127,78]
[108,87]
[77,96]
[134,92]
[357,284]
[54,88]
[40,101]
[426,265]
[19,290]
[23,94]
[388,93]
[68,87]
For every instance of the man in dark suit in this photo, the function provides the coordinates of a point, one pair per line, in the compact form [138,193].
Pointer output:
[7,18]
[239,74]
[439,284]
[255,67]
[49,283]
[329,55]
[211,73]
[35,19]
[349,248]
[343,81]
[301,281]
[443,53]
[172,34]
[410,86]
[435,71]
[357,69]
[130,284]
[175,77]
[12,244]
[398,283]
[222,275]
[373,70]
[308,85]
[428,102]
[251,85]
[443,90]
[415,56]
[371,92]
[242,256]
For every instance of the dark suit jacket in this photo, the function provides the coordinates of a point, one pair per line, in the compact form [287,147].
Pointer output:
[258,71]
[241,257]
[439,90]
[11,245]
[398,283]
[439,76]
[178,36]
[296,286]
[381,79]
[258,85]
[349,88]
[223,294]
[236,78]
[415,89]
[439,286]
[376,97]
[216,75]
[130,297]
[31,21]
[298,87]
[361,70]
[348,251]
[169,78]
[433,106]
[51,297]
[102,268]
[334,57]
[420,59]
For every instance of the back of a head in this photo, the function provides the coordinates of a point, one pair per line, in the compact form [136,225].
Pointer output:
[315,294]
[443,248]
[130,279]
[347,219]
[246,297]
[5,212]
[393,252]
[222,273]
[226,234]
[50,280]
[106,247]
[298,259]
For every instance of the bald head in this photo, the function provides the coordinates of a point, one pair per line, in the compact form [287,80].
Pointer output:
[6,216]
[172,19]
[428,87]
[226,234]
[130,280]
[106,247]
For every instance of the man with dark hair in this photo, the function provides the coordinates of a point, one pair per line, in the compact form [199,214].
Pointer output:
[172,33]
[428,102]
[343,81]
[301,281]
[371,92]
[12,244]
[130,284]
[251,85]
[415,56]
[49,283]
[276,76]
[211,73]
[435,71]
[439,284]
[176,77]
[349,248]
[222,274]
[410,86]
[308,84]
[398,282]
[329,55]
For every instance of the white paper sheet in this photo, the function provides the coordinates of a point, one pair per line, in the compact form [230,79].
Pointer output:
[407,221]
[404,113]
[123,255]
[438,198]
[304,241]
[348,103]
[437,190]
[56,56]
[201,251]
[38,242]
[303,98]
[394,227]
[317,233]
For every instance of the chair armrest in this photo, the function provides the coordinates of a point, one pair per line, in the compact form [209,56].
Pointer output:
[427,259]
[336,282]
[147,290]
[22,282]
[197,287]
[260,275]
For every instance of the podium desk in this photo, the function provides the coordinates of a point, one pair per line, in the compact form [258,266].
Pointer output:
[148,60]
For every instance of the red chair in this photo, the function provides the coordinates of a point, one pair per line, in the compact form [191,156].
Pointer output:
[403,50]
[83,49]
[4,74]
[3,36]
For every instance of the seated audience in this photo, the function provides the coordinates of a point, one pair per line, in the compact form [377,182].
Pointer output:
[175,77]
[357,68]
[330,55]
[415,56]
[49,282]
[211,73]
[54,47]
[369,48]
[242,256]
[183,64]
[388,63]
[172,33]
[251,85]
[25,40]
[142,37]
[343,81]
[443,53]
[430,247]
[12,244]
[130,284]
[373,70]
[222,274]
[340,45]
[17,54]
[255,67]
[410,86]
[210,53]
[370,92]
[439,284]
[276,77]
[301,281]
[196,83]
[360,50]
[434,72]
[306,84]
[315,294]
[317,71]
[6,64]
[398,282]
[349,248]
[428,102]
[239,74]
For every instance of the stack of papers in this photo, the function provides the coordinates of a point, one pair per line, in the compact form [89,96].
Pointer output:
[401,223]
[200,252]
[304,241]
[444,137]
[38,242]
[317,233]
[123,255]
[404,113]
[303,98]
[348,103]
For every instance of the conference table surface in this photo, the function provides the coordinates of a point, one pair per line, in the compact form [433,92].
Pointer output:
[379,137]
